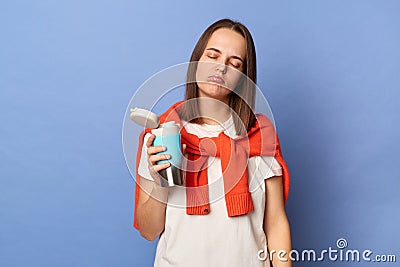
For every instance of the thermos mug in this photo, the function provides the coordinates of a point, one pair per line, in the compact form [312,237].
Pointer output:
[167,135]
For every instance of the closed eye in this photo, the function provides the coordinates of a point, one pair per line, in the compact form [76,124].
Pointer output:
[236,64]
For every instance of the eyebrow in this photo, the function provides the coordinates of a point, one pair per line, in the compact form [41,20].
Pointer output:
[218,51]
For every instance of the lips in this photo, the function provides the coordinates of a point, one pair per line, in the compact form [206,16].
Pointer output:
[216,79]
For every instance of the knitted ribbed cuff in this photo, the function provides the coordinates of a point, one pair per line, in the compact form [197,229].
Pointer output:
[239,204]
[197,200]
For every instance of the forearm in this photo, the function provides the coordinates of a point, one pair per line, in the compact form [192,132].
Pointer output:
[278,237]
[151,213]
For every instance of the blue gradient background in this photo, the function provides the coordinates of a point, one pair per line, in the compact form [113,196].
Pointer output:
[329,69]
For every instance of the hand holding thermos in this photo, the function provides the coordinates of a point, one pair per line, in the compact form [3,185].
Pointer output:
[163,148]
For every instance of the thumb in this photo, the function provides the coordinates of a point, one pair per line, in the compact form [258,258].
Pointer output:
[183,148]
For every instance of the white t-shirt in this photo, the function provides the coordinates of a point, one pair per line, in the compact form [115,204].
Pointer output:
[214,239]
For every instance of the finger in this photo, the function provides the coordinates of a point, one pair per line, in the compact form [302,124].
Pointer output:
[150,140]
[160,167]
[155,149]
[154,158]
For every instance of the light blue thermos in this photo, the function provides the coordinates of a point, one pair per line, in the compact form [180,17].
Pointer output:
[167,135]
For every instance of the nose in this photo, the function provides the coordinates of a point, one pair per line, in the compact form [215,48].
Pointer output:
[221,67]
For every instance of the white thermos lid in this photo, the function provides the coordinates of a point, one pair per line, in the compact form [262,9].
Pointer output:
[145,118]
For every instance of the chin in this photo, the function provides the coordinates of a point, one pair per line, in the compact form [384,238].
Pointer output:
[214,91]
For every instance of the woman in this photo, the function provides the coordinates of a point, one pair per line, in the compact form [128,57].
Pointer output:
[232,230]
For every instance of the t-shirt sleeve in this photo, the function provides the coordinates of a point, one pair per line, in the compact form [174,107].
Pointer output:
[143,169]
[265,167]
[261,168]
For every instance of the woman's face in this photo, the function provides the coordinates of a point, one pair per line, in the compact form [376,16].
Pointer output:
[221,64]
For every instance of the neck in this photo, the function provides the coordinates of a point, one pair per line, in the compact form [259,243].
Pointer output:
[213,111]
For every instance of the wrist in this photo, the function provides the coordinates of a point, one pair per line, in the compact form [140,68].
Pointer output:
[160,193]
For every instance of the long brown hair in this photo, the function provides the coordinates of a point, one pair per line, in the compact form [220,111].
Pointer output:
[242,99]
